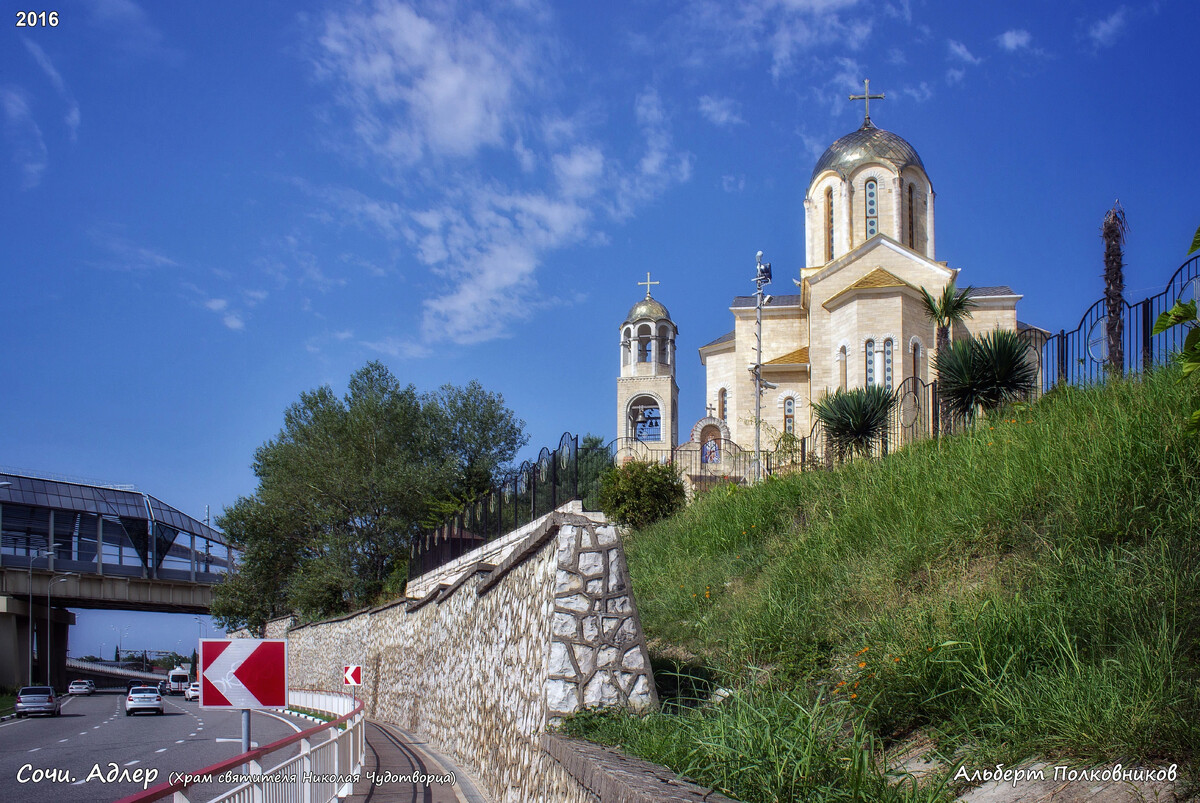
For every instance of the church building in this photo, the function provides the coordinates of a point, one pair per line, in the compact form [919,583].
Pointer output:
[853,317]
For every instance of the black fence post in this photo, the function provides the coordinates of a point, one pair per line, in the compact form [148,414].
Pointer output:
[935,409]
[1062,356]
[1147,338]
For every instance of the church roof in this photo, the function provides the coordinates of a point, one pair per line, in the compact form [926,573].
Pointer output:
[876,278]
[776,301]
[647,308]
[867,144]
[998,290]
[797,357]
[725,338]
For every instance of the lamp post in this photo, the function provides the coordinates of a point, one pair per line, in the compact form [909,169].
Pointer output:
[120,639]
[41,553]
[49,614]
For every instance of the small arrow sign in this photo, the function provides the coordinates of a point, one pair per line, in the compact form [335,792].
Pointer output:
[243,673]
[353,675]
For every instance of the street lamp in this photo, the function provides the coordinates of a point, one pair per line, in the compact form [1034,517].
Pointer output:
[49,624]
[120,638]
[42,553]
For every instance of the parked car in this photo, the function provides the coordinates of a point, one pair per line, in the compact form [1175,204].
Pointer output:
[143,698]
[192,692]
[37,700]
[81,687]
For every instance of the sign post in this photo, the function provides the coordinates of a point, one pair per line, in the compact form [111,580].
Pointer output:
[352,676]
[245,674]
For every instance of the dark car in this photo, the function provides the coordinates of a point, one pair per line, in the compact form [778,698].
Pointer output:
[37,700]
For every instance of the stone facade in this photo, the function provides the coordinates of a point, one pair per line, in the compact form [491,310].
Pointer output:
[490,658]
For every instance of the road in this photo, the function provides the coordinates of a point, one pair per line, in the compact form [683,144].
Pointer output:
[93,734]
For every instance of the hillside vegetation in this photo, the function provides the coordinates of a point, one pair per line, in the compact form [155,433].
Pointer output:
[1029,588]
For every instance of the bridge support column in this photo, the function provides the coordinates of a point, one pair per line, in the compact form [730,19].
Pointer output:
[14,642]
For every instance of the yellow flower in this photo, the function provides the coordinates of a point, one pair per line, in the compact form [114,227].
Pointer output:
[862,664]
[853,696]
[896,660]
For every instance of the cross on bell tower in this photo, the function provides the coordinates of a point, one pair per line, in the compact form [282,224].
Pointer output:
[866,97]
[648,283]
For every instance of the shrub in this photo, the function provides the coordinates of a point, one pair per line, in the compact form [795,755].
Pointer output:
[984,373]
[854,419]
[640,493]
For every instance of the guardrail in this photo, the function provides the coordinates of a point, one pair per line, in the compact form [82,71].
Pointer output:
[317,773]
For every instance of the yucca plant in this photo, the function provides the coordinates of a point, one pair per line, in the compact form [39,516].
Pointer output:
[854,419]
[984,373]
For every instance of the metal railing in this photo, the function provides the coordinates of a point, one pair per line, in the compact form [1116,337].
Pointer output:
[317,773]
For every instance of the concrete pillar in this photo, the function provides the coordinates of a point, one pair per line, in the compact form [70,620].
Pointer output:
[12,637]
[929,252]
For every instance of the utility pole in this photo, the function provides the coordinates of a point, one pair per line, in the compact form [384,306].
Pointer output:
[762,277]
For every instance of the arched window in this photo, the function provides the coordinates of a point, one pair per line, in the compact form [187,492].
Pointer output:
[645,344]
[912,232]
[789,415]
[842,368]
[626,346]
[645,419]
[664,346]
[869,353]
[722,404]
[872,206]
[887,363]
[829,224]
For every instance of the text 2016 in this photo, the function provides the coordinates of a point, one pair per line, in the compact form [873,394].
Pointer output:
[37,19]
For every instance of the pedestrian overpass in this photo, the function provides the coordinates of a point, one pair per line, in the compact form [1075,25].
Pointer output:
[69,544]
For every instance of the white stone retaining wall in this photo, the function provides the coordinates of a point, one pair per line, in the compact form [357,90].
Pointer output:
[482,666]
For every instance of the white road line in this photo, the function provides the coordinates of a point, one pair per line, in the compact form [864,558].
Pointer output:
[34,750]
[161,750]
[131,763]
[179,741]
[191,734]
[95,727]
[60,741]
[83,734]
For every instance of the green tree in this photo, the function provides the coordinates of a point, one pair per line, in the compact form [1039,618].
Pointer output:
[950,308]
[346,485]
[855,419]
[640,493]
[1112,231]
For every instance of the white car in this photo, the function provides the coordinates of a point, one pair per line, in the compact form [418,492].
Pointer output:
[81,687]
[192,692]
[143,698]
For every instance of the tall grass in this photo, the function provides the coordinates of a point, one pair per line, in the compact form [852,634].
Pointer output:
[1029,587]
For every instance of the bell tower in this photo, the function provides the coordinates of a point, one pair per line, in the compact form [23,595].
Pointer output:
[647,396]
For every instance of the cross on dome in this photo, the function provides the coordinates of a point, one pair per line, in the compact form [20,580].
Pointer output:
[648,283]
[867,97]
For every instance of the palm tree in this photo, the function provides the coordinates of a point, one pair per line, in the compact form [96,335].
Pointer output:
[1113,232]
[952,307]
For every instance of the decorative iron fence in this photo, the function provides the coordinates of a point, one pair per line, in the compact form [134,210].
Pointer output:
[1078,357]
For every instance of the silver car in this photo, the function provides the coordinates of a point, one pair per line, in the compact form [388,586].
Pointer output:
[143,698]
[81,687]
[37,700]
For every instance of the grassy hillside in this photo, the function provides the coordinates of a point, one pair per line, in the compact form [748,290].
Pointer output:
[1029,588]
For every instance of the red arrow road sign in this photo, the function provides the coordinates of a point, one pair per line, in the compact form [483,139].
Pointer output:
[353,675]
[243,673]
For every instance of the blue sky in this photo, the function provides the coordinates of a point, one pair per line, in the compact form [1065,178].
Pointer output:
[209,208]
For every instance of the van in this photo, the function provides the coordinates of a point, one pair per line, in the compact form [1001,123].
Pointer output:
[178,680]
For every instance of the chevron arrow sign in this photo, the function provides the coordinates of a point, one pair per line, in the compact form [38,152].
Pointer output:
[243,673]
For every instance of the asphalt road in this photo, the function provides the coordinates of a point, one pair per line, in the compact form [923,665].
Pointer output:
[50,759]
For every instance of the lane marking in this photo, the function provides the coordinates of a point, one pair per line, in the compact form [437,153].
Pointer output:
[179,741]
[131,763]
[60,741]
[34,750]
[161,750]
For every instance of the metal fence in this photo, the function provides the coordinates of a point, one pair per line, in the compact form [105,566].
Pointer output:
[522,496]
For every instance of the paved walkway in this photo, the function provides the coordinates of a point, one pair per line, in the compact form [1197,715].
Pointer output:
[394,756]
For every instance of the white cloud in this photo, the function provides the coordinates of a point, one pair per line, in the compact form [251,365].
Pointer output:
[920,93]
[125,255]
[72,117]
[733,183]
[1104,32]
[233,321]
[130,28]
[954,75]
[896,56]
[29,152]
[959,51]
[216,304]
[1014,40]
[720,111]
[420,84]
[439,96]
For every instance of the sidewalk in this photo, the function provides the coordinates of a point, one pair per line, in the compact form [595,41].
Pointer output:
[393,756]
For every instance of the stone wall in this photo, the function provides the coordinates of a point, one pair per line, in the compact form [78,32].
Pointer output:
[486,661]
